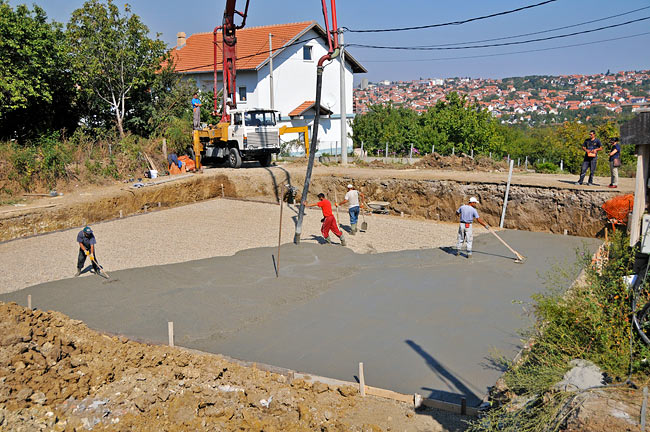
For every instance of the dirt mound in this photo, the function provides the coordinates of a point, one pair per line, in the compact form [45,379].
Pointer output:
[460,163]
[57,374]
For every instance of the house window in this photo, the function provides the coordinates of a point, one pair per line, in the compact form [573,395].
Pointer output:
[306,53]
[242,94]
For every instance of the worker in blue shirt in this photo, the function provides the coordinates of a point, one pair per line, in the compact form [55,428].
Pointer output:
[196,111]
[591,147]
[467,213]
[87,242]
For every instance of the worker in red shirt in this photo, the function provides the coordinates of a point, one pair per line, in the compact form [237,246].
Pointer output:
[329,222]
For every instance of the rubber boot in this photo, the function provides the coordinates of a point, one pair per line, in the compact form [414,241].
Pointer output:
[342,238]
[353,229]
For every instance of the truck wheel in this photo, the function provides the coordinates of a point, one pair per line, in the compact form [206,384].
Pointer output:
[265,160]
[234,158]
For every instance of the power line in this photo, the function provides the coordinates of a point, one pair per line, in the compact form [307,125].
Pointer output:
[451,22]
[250,55]
[542,31]
[433,48]
[507,53]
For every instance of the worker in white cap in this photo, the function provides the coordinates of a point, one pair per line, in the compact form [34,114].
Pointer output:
[352,198]
[468,214]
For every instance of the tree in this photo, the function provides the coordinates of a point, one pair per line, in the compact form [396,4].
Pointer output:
[37,90]
[114,56]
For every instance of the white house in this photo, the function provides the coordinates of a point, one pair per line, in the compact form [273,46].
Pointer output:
[296,49]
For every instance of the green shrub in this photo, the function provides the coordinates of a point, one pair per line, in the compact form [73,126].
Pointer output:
[546,167]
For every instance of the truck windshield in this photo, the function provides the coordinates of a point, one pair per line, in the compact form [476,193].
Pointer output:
[259,118]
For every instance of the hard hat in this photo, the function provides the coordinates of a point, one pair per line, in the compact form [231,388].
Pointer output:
[87,230]
[473,200]
[350,186]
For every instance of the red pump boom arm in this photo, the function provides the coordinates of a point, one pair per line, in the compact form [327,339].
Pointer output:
[229,47]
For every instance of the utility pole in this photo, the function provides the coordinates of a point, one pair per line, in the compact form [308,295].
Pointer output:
[271,70]
[344,132]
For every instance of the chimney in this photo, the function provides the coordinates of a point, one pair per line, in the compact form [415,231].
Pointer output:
[180,40]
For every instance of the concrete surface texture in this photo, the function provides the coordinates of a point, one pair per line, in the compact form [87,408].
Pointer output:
[422,321]
[191,232]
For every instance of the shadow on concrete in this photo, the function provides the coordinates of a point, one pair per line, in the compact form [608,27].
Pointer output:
[452,251]
[446,376]
[318,239]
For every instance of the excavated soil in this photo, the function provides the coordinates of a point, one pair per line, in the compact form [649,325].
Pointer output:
[56,374]
[536,203]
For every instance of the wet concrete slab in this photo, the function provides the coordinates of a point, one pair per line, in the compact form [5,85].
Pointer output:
[422,321]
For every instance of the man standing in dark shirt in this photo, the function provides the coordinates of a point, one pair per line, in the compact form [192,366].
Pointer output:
[591,147]
[614,162]
[86,240]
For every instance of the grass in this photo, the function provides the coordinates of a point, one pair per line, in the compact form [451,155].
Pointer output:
[591,321]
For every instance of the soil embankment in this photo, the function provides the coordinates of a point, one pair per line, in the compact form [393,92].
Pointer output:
[536,203]
[56,374]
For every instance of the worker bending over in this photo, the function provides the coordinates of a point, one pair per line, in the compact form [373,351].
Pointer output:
[467,213]
[352,198]
[87,241]
[329,222]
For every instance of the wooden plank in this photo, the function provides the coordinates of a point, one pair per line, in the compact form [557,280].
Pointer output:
[27,208]
[448,406]
[389,394]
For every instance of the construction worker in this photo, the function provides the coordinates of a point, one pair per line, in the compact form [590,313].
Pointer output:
[87,241]
[352,198]
[591,147]
[329,222]
[196,111]
[467,213]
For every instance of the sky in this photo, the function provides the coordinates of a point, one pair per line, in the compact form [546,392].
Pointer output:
[194,16]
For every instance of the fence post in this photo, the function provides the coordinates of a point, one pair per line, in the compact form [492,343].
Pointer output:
[433,149]
[526,166]
[453,151]
[505,200]
[411,153]
[386,154]
[561,164]
[472,153]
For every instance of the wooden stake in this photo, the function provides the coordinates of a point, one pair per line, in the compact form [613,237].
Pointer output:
[463,406]
[644,406]
[170,331]
[164,148]
[29,301]
[362,380]
[121,214]
[505,200]
[606,235]
[277,264]
[223,194]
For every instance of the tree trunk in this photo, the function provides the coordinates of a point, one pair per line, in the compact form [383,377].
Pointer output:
[119,125]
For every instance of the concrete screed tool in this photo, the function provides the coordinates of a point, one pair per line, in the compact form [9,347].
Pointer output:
[101,269]
[520,258]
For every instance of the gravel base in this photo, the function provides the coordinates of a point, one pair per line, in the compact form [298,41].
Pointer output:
[218,227]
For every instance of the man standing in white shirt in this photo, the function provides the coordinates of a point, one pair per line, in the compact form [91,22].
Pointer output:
[467,213]
[352,198]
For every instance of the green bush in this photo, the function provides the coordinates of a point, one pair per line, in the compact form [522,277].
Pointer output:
[546,168]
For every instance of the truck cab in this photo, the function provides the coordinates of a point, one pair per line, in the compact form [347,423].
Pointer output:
[252,134]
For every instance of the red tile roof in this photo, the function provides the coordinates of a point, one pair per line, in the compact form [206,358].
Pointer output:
[252,47]
[306,106]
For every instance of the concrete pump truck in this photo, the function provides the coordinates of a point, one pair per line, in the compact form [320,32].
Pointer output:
[250,134]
